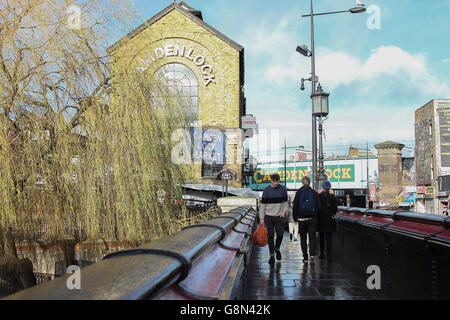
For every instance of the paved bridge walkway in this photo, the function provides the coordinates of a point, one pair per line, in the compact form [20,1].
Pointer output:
[291,279]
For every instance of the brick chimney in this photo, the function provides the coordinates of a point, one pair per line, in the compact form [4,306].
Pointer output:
[390,169]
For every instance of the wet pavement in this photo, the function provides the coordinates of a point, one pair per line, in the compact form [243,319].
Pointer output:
[291,279]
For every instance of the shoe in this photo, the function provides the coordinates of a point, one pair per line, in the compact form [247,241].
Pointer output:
[321,257]
[278,253]
[312,261]
[272,260]
[295,239]
[305,259]
[291,236]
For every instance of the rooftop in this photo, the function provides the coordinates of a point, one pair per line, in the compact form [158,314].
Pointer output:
[188,11]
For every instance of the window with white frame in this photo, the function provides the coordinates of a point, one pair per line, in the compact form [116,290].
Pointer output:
[180,82]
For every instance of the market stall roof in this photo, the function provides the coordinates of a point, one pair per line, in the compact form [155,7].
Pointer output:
[241,192]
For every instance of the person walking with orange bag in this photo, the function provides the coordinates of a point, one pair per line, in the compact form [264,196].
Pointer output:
[272,214]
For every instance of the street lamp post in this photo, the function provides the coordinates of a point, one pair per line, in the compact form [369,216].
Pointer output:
[313,90]
[304,51]
[367,170]
[320,111]
[285,163]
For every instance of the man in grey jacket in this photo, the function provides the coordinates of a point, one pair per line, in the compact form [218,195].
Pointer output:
[272,213]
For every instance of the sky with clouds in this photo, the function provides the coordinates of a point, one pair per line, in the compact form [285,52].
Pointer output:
[377,78]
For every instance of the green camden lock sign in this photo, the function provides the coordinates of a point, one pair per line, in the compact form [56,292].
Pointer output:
[335,173]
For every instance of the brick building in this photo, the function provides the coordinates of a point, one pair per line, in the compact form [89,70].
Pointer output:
[179,47]
[433,156]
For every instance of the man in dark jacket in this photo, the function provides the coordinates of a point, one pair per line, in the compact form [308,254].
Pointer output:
[325,222]
[306,206]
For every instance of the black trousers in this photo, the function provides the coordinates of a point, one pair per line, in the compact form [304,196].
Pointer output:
[308,229]
[274,225]
[325,237]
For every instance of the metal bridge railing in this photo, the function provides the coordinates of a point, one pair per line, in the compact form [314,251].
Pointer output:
[411,249]
[203,261]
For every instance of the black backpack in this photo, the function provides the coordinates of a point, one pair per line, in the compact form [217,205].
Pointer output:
[307,204]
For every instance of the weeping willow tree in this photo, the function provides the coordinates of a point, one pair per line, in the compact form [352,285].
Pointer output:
[82,157]
[128,169]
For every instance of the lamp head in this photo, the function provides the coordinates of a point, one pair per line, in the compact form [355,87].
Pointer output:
[357,10]
[320,102]
[304,50]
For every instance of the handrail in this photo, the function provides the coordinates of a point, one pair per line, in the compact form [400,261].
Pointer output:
[421,218]
[401,215]
[145,272]
[356,210]
[382,213]
[405,245]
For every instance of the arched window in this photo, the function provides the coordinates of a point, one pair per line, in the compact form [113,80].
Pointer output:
[181,81]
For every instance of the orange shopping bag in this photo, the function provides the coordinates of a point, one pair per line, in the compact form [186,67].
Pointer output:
[259,237]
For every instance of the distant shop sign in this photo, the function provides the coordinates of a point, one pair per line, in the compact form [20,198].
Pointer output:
[227,174]
[444,130]
[420,189]
[249,122]
[429,190]
[409,197]
[343,173]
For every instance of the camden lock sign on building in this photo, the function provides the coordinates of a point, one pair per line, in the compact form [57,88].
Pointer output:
[344,174]
[171,50]
[209,146]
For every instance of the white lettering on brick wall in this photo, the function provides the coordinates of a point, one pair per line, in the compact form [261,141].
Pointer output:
[170,50]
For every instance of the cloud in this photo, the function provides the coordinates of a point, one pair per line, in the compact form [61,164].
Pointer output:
[352,125]
[373,97]
[341,68]
[360,123]
[270,46]
[267,38]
